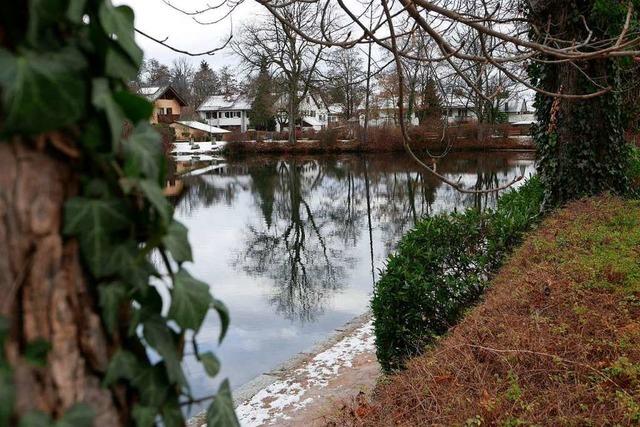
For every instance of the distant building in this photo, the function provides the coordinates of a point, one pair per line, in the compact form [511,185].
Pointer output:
[226,112]
[519,110]
[312,113]
[167,103]
[335,115]
[458,109]
[384,111]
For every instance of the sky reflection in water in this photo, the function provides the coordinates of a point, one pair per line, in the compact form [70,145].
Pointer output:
[292,244]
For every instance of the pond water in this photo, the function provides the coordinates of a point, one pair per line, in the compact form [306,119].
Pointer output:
[293,245]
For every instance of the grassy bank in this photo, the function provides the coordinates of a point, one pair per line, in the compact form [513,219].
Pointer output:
[556,340]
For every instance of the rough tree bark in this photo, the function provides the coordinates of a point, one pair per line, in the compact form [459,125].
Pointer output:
[45,294]
[581,146]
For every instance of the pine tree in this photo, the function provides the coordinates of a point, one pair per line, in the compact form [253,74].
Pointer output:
[430,102]
[205,84]
[262,114]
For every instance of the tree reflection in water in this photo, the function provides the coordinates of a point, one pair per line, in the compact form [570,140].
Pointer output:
[294,246]
[314,210]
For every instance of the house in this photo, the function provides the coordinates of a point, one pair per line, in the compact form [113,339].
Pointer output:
[335,115]
[383,111]
[519,110]
[458,109]
[312,113]
[226,112]
[167,103]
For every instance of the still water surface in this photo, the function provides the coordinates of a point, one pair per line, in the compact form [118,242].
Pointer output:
[293,245]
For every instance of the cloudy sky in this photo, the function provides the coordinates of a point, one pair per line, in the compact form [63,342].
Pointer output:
[159,20]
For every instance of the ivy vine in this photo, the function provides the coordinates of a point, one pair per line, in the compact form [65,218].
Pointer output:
[64,67]
[580,143]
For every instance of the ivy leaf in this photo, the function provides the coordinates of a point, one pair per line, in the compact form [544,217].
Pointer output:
[160,337]
[190,301]
[143,153]
[48,86]
[172,415]
[144,415]
[220,412]
[102,99]
[123,365]
[135,107]
[132,268]
[36,351]
[79,415]
[43,17]
[119,22]
[94,221]
[75,11]
[152,384]
[119,66]
[35,419]
[177,242]
[156,197]
[211,363]
[111,296]
[223,313]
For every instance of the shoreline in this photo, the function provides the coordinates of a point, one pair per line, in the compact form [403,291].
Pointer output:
[289,373]
[574,281]
[387,144]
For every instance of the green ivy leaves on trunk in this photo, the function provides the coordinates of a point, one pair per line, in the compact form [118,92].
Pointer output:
[66,72]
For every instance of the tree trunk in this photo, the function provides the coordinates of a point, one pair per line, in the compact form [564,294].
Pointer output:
[580,142]
[292,118]
[45,294]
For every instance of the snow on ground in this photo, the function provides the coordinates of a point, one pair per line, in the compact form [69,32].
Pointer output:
[287,394]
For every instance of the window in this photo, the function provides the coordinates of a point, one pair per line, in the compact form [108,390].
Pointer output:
[227,114]
[169,111]
[238,114]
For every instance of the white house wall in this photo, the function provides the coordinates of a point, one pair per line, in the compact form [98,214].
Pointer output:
[242,122]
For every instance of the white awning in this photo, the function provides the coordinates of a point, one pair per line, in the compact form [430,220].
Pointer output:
[202,126]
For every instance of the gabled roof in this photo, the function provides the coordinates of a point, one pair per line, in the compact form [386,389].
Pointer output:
[335,109]
[201,126]
[152,93]
[223,102]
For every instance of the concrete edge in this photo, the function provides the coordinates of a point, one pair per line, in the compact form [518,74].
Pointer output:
[249,389]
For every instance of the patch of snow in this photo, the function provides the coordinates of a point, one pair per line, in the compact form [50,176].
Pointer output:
[267,406]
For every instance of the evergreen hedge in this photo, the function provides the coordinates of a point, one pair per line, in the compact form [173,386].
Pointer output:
[441,268]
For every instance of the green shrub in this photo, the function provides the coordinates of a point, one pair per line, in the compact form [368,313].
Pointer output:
[441,267]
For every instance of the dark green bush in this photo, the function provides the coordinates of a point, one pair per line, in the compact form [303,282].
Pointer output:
[441,268]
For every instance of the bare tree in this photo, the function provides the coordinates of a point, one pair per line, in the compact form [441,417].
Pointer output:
[157,74]
[182,73]
[345,80]
[577,45]
[293,58]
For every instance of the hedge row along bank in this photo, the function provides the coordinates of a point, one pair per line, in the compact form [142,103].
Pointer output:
[441,268]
